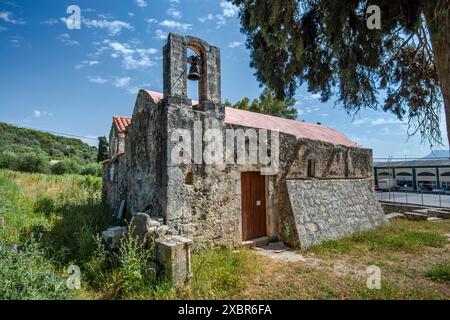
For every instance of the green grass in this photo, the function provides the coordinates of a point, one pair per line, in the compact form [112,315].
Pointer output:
[440,272]
[400,236]
[218,274]
[55,221]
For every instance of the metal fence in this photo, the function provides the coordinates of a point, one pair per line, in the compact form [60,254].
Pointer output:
[409,197]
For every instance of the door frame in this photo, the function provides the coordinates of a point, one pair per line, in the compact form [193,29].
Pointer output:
[244,222]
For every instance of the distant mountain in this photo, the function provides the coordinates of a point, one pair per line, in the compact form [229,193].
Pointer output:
[21,140]
[438,154]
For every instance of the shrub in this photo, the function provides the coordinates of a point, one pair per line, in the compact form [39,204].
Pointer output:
[66,167]
[25,273]
[92,169]
[33,163]
[8,160]
[133,259]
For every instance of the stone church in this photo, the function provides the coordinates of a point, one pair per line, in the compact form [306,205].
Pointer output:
[321,187]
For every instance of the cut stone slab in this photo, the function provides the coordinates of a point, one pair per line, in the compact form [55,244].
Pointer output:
[174,256]
[434,219]
[112,236]
[259,242]
[395,215]
[415,216]
[142,226]
[333,209]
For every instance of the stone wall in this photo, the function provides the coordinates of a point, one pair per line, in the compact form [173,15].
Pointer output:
[203,202]
[333,209]
[145,148]
[114,181]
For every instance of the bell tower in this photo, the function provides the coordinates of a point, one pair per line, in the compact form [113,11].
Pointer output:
[204,67]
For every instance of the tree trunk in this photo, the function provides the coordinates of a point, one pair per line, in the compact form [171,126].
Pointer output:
[439,28]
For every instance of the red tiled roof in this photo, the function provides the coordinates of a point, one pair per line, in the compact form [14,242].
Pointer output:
[261,121]
[121,123]
[296,128]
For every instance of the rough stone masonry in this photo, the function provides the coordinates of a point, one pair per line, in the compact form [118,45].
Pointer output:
[320,190]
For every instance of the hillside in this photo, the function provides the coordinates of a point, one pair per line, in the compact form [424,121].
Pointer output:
[32,151]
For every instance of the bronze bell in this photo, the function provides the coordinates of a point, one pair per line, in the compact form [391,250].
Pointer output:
[194,73]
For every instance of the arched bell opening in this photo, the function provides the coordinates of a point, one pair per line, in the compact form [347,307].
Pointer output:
[196,72]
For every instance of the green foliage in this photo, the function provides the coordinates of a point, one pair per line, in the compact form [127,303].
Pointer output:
[66,167]
[134,276]
[30,151]
[67,214]
[103,153]
[91,169]
[26,274]
[327,44]
[268,104]
[440,272]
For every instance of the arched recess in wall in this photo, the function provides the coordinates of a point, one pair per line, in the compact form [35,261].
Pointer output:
[426,174]
[403,174]
[445,174]
[199,50]
[384,174]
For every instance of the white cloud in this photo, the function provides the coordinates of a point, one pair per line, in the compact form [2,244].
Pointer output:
[7,17]
[151,20]
[50,22]
[132,57]
[375,122]
[171,24]
[113,27]
[160,34]
[229,9]
[235,44]
[174,13]
[97,79]
[141,3]
[206,18]
[86,63]
[122,82]
[39,114]
[16,42]
[67,40]
[130,14]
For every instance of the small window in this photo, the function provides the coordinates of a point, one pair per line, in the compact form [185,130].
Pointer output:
[311,169]
[189,179]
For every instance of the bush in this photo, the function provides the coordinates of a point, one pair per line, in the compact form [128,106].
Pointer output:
[133,258]
[66,167]
[92,169]
[25,273]
[33,163]
[8,160]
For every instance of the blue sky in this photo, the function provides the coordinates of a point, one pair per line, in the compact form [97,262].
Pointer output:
[74,81]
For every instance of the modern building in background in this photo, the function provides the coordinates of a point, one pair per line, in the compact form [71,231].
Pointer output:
[416,175]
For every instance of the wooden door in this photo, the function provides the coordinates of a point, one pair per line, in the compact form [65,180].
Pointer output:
[253,195]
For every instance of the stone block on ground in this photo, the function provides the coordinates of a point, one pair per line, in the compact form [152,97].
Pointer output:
[142,226]
[434,219]
[415,216]
[333,209]
[395,215]
[113,235]
[174,255]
